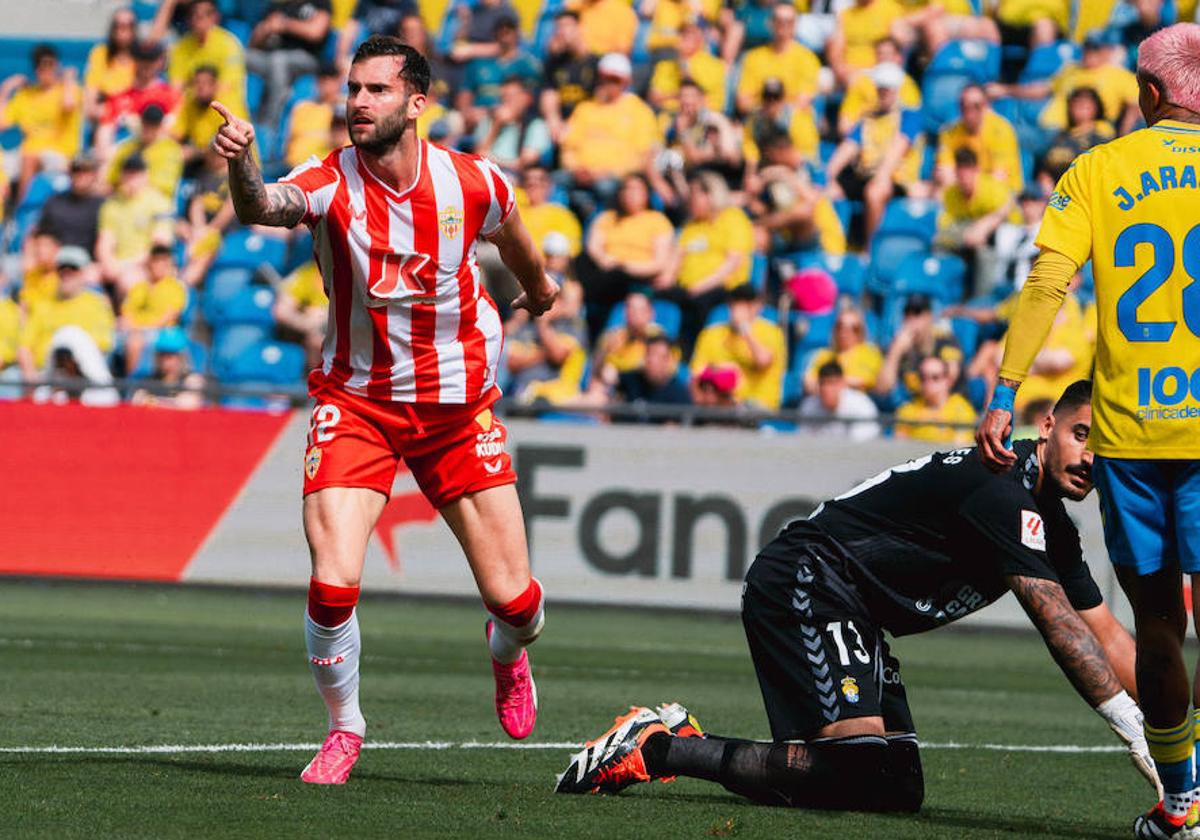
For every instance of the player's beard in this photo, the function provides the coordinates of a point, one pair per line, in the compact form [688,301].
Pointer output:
[389,130]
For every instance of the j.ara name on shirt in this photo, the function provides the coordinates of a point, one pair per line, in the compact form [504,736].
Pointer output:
[1152,181]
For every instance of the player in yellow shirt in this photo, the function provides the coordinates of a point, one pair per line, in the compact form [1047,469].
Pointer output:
[49,112]
[1131,206]
[756,346]
[209,44]
[73,305]
[935,413]
[859,27]
[796,66]
[986,133]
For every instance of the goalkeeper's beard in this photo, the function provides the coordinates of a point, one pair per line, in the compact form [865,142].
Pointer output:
[389,130]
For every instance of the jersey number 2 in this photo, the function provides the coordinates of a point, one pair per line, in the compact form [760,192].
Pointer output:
[1159,240]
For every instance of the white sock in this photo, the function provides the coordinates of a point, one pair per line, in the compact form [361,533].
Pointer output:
[333,654]
[508,641]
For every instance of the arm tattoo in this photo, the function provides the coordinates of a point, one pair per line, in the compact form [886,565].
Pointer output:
[277,205]
[1071,642]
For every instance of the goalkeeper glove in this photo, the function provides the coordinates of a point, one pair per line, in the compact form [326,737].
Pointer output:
[1002,399]
[1125,718]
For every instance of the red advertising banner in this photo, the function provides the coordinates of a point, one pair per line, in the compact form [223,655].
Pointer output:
[122,492]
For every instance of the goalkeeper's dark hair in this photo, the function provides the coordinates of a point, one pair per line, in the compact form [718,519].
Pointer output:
[414,68]
[1077,394]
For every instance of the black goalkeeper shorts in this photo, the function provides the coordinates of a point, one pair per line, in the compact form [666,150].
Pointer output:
[819,656]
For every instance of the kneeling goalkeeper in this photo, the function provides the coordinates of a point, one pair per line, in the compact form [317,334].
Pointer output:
[910,550]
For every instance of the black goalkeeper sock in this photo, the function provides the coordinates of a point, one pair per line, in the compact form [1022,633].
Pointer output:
[860,773]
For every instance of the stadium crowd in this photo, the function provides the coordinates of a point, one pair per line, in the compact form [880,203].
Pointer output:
[828,204]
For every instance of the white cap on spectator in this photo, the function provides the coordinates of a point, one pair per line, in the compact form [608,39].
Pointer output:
[72,256]
[616,64]
[556,244]
[887,75]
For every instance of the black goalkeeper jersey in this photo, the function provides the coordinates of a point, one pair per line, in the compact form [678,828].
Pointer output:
[932,540]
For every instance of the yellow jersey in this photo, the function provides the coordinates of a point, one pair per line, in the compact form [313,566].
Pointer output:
[222,50]
[631,238]
[310,132]
[706,245]
[108,77]
[550,218]
[88,309]
[305,287]
[797,67]
[612,139]
[996,147]
[608,26]
[863,26]
[1117,87]
[38,286]
[1132,207]
[990,195]
[10,331]
[705,69]
[136,222]
[862,97]
[197,124]
[46,124]
[720,345]
[933,424]
[860,365]
[158,304]
[164,160]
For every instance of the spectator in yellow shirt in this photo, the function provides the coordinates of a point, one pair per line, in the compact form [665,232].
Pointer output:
[196,123]
[790,213]
[881,156]
[541,215]
[10,331]
[692,61]
[852,45]
[936,22]
[795,65]
[712,255]
[109,67]
[627,246]
[302,309]
[934,413]
[861,97]
[49,112]
[309,124]
[73,305]
[151,304]
[776,115]
[698,137]
[1086,127]
[860,359]
[173,383]
[986,133]
[208,44]
[1032,23]
[39,281]
[161,151]
[209,214]
[547,356]
[607,26]
[610,135]
[974,206]
[755,346]
[135,217]
[623,348]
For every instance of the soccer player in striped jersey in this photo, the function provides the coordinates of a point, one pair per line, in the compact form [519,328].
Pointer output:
[1132,206]
[409,370]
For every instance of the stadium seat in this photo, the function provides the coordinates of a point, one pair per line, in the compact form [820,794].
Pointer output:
[811,332]
[666,314]
[967,333]
[888,251]
[851,275]
[1045,61]
[249,305]
[230,341]
[720,315]
[913,216]
[269,362]
[243,247]
[938,275]
[956,65]
[222,285]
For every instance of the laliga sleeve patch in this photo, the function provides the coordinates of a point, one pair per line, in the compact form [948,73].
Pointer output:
[1033,530]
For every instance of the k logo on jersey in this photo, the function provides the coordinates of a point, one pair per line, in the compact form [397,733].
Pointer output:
[1033,530]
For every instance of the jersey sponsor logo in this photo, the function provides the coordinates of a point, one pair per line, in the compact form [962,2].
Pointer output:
[493,467]
[1033,530]
[450,220]
[1167,387]
[312,462]
[1059,201]
[490,444]
[399,276]
[850,690]
[924,605]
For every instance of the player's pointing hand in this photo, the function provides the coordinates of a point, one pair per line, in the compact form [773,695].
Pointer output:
[234,138]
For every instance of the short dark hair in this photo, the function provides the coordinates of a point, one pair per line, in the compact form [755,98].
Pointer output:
[830,370]
[160,250]
[1076,395]
[966,157]
[571,13]
[659,338]
[42,52]
[210,69]
[414,68]
[1087,92]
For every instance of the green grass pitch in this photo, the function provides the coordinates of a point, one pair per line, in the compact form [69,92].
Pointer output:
[104,666]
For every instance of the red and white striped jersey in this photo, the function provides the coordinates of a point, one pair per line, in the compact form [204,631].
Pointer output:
[409,320]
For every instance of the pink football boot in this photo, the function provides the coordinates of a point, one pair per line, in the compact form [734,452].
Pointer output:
[516,695]
[334,761]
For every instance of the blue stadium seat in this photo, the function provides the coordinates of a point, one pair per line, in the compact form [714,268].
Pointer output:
[666,314]
[938,275]
[845,209]
[1045,61]
[956,65]
[967,333]
[913,216]
[220,287]
[250,305]
[269,362]
[720,315]
[888,251]
[758,271]
[243,247]
[231,341]
[254,92]
[851,275]
[811,332]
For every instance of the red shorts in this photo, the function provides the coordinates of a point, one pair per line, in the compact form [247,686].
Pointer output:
[451,450]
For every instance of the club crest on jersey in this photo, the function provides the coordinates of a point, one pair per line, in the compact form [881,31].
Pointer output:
[850,689]
[1033,530]
[312,463]
[450,220]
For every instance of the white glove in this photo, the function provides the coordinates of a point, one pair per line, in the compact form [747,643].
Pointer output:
[1125,718]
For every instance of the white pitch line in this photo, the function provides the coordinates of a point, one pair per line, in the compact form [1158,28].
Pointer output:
[179,749]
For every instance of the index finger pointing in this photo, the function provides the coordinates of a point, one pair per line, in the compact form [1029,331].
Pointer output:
[223,111]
